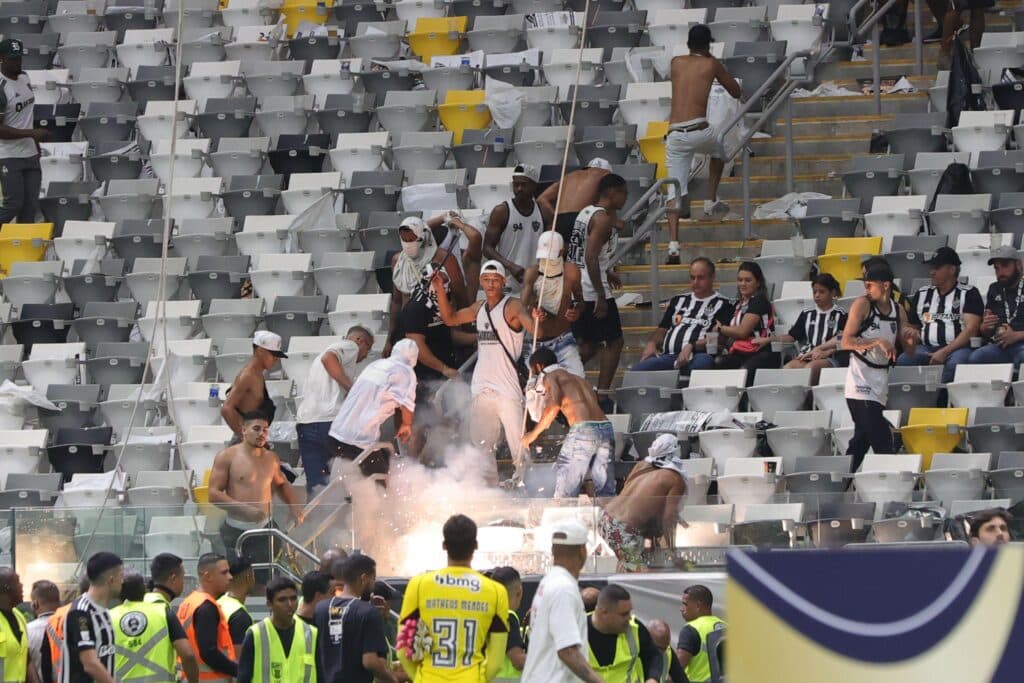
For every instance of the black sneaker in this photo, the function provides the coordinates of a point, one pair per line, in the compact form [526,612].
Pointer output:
[933,37]
[672,259]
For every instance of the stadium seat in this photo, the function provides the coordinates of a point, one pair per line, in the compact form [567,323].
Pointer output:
[116,160]
[380,40]
[929,167]
[302,351]
[144,47]
[611,143]
[58,363]
[86,49]
[843,256]
[723,445]
[957,476]
[798,434]
[196,405]
[233,354]
[560,67]
[117,363]
[998,51]
[99,286]
[913,386]
[407,111]
[324,239]
[171,319]
[193,198]
[564,33]
[368,310]
[373,190]
[953,215]
[933,430]
[980,385]
[802,27]
[828,396]
[275,275]
[774,390]
[284,115]
[995,430]
[296,316]
[125,405]
[754,63]
[912,134]
[416,151]
[826,218]
[32,282]
[144,282]
[772,525]
[982,131]
[359,152]
[76,404]
[194,13]
[835,524]
[891,216]
[1008,217]
[645,102]
[706,525]
[340,273]
[483,148]
[79,451]
[818,475]
[497,34]
[103,321]
[1008,476]
[883,477]
[23,242]
[749,481]
[463,109]
[715,390]
[42,324]
[187,161]
[998,172]
[434,36]
[231,319]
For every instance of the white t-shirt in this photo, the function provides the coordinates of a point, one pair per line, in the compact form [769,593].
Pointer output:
[17,103]
[322,396]
[557,621]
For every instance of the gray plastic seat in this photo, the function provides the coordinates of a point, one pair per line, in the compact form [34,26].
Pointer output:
[908,266]
[639,402]
[478,8]
[84,288]
[483,148]
[620,28]
[226,117]
[373,191]
[827,218]
[116,160]
[1008,477]
[128,14]
[378,83]
[909,134]
[922,243]
[835,524]
[1008,216]
[308,47]
[913,387]
[252,195]
[755,62]
[595,105]
[151,83]
[998,172]
[218,277]
[351,13]
[638,178]
[345,113]
[296,316]
[138,239]
[105,322]
[995,430]
[732,25]
[611,143]
[819,474]
[108,121]
[67,201]
[873,176]
[117,363]
[18,19]
[299,153]
[39,50]
[76,406]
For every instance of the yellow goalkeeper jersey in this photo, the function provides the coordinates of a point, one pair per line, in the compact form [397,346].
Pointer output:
[460,608]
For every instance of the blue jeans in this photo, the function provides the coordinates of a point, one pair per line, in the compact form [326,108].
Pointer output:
[316,453]
[920,357]
[992,353]
[586,450]
[667,361]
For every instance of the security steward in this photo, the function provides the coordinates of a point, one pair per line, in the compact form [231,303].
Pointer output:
[51,662]
[279,648]
[14,666]
[232,603]
[619,648]
[167,577]
[692,647]
[148,638]
[205,625]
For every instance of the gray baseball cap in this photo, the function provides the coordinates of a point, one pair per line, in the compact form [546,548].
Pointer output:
[1003,253]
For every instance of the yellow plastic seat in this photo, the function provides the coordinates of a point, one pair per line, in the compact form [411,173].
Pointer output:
[652,146]
[933,430]
[843,257]
[297,11]
[437,36]
[23,242]
[462,110]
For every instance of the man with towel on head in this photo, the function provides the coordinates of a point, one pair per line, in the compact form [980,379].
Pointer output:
[648,506]
[553,288]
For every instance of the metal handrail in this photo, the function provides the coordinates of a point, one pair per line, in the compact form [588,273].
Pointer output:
[646,196]
[285,539]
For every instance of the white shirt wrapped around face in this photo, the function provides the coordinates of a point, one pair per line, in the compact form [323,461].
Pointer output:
[383,387]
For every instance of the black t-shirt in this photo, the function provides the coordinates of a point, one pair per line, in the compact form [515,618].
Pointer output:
[175,631]
[603,646]
[515,633]
[420,316]
[207,621]
[238,624]
[87,626]
[689,640]
[347,628]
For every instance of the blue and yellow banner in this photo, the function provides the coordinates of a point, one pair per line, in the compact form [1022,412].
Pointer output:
[884,616]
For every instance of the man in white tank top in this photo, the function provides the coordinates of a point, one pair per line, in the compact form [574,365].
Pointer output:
[876,324]
[501,322]
[515,226]
[20,175]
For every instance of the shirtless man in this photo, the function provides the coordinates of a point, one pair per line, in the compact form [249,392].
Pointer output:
[248,393]
[587,448]
[243,481]
[689,130]
[563,292]
[648,506]
[514,227]
[580,191]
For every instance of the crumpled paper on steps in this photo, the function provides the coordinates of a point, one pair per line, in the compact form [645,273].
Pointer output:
[792,205]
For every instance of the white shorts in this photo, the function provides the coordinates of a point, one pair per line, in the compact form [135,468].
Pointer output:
[681,148]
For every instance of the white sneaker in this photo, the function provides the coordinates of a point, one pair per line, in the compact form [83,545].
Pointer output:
[716,207]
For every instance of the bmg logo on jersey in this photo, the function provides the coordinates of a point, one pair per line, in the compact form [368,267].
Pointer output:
[470,582]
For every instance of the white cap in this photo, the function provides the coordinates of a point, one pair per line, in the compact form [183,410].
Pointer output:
[493,266]
[600,163]
[415,224]
[550,244]
[269,341]
[527,171]
[569,532]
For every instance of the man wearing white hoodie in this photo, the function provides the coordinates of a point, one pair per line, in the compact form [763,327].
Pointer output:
[384,387]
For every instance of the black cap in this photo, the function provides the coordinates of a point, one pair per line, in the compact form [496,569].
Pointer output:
[11,47]
[240,565]
[944,256]
[101,562]
[878,272]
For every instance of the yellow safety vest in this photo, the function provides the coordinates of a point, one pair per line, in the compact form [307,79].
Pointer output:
[669,654]
[143,652]
[625,668]
[269,663]
[699,668]
[155,597]
[508,673]
[13,651]
[229,605]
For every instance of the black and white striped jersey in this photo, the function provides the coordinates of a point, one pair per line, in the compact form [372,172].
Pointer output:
[941,315]
[814,326]
[688,318]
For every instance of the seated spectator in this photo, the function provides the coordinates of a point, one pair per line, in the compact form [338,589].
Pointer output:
[747,336]
[1003,320]
[680,340]
[515,226]
[989,527]
[817,329]
[947,313]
